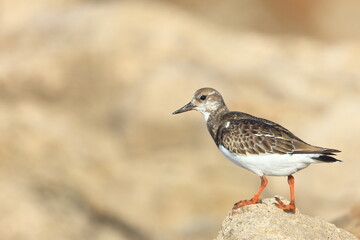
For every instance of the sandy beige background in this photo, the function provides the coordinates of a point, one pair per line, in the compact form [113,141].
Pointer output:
[89,148]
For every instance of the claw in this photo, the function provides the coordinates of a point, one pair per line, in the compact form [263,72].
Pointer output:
[243,203]
[291,207]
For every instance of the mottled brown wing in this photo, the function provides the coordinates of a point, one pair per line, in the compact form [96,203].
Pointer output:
[250,136]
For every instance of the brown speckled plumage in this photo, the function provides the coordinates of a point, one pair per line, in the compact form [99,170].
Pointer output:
[244,134]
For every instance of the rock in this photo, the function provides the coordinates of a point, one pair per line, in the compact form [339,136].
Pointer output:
[266,221]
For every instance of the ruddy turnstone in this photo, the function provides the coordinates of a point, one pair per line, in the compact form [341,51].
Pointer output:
[256,144]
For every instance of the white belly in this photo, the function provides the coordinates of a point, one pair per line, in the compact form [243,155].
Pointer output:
[271,164]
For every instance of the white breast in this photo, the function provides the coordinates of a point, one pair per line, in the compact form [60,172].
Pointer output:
[271,164]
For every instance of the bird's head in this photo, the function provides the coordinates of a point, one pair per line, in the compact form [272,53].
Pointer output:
[205,100]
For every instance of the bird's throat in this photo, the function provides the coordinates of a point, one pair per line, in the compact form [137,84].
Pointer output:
[213,120]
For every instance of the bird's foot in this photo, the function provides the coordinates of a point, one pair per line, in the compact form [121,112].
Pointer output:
[287,208]
[243,203]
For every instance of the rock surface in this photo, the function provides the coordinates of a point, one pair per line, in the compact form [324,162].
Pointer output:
[266,221]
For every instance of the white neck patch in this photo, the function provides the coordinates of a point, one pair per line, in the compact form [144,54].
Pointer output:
[206,115]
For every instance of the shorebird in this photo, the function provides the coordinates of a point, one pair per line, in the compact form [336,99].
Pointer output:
[256,144]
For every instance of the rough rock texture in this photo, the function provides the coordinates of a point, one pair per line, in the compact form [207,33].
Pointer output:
[266,221]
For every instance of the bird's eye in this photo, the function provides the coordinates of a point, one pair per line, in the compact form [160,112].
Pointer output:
[202,97]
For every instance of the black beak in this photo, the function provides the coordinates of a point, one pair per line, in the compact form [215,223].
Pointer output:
[185,108]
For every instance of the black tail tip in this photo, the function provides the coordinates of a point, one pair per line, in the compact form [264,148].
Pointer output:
[326,158]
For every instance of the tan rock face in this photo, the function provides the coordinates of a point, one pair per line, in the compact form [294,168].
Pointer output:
[266,221]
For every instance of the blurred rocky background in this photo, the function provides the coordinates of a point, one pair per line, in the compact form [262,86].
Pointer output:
[89,148]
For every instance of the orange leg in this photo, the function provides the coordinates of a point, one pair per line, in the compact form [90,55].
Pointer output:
[255,199]
[291,206]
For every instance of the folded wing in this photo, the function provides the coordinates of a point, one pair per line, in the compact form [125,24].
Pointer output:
[254,136]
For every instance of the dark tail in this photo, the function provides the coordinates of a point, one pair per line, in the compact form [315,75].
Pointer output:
[326,158]
[327,155]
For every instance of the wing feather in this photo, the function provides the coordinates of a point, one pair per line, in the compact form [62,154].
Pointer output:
[249,136]
[245,134]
